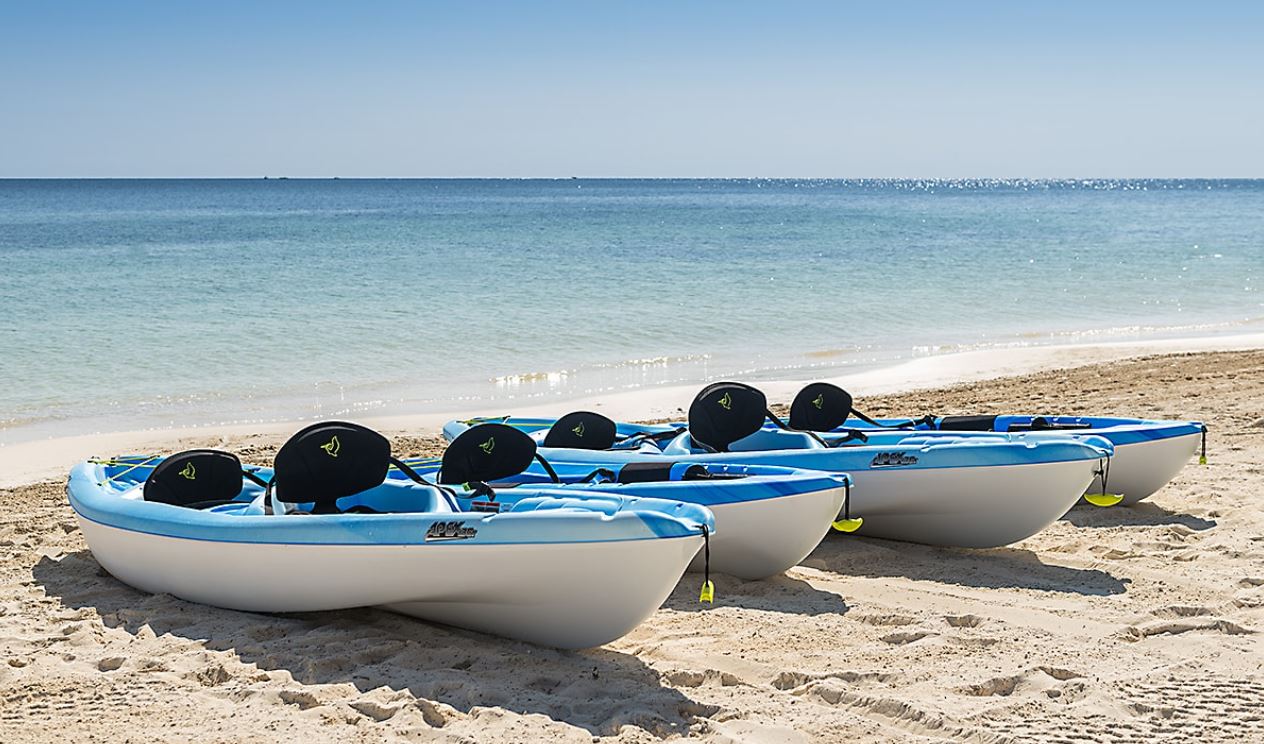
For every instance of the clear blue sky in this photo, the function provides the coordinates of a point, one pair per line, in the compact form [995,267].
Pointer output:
[892,89]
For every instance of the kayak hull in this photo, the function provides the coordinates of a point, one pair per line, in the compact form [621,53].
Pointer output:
[968,507]
[588,598]
[1140,469]
[559,568]
[972,492]
[758,539]
[767,518]
[1148,453]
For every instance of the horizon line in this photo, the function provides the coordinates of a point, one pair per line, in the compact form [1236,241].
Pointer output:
[635,178]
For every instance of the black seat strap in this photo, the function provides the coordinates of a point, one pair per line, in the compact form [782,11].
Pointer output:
[415,477]
[606,473]
[786,427]
[548,468]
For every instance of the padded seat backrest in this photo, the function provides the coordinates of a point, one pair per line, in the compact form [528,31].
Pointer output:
[194,477]
[820,407]
[329,461]
[725,412]
[486,453]
[582,430]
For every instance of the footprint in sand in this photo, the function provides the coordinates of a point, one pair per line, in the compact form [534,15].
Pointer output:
[375,710]
[885,619]
[795,680]
[1249,598]
[709,677]
[906,637]
[303,699]
[1038,680]
[1181,611]
[1142,631]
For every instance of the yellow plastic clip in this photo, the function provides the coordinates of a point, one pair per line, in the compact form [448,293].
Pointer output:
[708,592]
[1202,459]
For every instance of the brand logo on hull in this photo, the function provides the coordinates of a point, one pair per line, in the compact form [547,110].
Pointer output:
[440,531]
[891,460]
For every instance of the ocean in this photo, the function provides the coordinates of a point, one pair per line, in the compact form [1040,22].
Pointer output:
[131,304]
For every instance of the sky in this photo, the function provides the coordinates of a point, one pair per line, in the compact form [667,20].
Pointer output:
[632,89]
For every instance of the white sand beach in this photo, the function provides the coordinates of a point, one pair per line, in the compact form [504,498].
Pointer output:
[1139,624]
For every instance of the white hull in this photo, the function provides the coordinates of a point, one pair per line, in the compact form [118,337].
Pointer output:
[569,595]
[1138,470]
[970,507]
[758,539]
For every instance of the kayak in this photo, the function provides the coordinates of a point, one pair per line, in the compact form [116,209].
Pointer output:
[1148,453]
[325,529]
[965,491]
[767,518]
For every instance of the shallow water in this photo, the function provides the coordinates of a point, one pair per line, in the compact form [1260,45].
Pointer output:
[130,304]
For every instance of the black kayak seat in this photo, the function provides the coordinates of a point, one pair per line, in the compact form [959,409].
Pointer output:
[725,412]
[582,430]
[196,479]
[820,406]
[486,453]
[328,461]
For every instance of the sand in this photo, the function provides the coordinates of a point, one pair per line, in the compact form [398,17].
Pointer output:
[1137,624]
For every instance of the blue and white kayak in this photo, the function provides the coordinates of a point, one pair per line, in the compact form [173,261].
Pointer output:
[941,490]
[572,568]
[1148,454]
[767,518]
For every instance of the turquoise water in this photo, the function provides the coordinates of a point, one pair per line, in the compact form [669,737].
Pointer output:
[131,304]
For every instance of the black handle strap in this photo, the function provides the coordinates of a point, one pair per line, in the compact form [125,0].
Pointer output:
[852,435]
[786,427]
[599,473]
[548,468]
[414,476]
[250,476]
[901,425]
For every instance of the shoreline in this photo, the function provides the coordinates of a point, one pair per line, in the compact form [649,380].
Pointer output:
[33,461]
